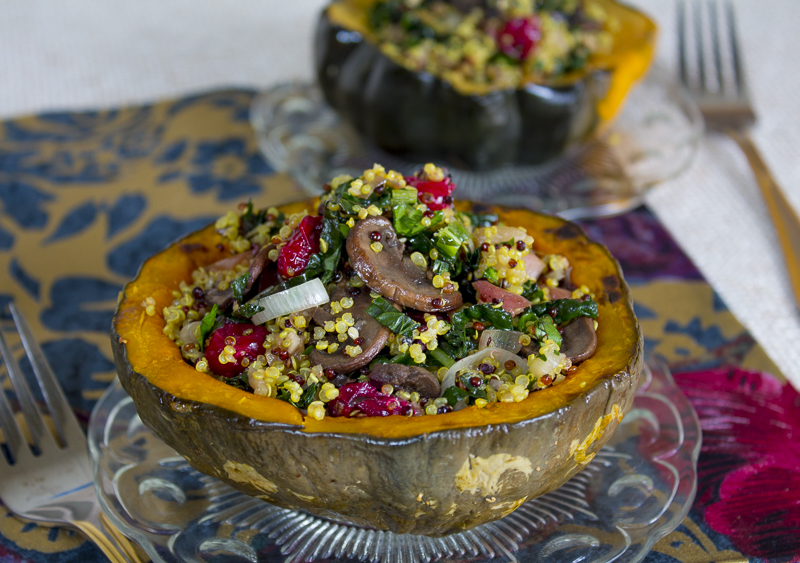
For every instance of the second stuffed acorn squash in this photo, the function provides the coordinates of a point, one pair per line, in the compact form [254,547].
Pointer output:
[475,127]
[430,475]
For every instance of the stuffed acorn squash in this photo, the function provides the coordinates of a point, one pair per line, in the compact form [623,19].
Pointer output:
[479,83]
[383,357]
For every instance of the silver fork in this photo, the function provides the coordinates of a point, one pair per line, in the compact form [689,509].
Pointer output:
[723,98]
[54,485]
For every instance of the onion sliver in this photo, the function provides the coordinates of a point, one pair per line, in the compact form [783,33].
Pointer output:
[474,360]
[300,298]
[505,339]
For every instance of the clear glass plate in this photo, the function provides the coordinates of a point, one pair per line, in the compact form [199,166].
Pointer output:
[653,139]
[636,490]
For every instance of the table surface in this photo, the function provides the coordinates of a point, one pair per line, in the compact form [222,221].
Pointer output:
[87,196]
[90,53]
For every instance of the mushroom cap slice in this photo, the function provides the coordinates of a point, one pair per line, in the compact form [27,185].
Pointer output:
[373,333]
[579,340]
[407,378]
[390,273]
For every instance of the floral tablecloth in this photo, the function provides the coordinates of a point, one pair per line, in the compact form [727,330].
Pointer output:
[87,196]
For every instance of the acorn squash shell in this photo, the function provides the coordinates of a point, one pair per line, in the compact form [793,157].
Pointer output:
[418,114]
[423,475]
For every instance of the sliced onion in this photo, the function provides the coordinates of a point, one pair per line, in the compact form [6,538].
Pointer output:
[505,339]
[474,361]
[304,296]
[187,333]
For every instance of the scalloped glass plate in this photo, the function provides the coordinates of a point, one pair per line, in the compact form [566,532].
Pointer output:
[653,139]
[636,490]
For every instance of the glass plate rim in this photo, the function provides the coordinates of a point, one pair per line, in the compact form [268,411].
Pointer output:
[98,431]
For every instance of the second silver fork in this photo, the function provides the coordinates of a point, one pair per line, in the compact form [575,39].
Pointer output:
[724,100]
[52,484]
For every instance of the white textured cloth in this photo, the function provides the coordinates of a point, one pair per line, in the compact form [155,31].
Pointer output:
[81,54]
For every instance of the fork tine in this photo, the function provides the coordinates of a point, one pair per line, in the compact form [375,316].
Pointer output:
[698,38]
[11,432]
[713,11]
[735,58]
[65,421]
[684,69]
[28,406]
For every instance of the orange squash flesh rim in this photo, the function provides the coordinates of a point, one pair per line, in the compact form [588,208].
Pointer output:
[632,50]
[153,355]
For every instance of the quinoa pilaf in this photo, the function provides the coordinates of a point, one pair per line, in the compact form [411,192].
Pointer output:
[499,42]
[389,302]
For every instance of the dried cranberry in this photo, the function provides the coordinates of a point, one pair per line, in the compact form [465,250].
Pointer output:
[358,341]
[476,381]
[444,409]
[375,236]
[484,246]
[365,399]
[478,325]
[521,245]
[433,193]
[303,243]
[330,373]
[198,293]
[438,303]
[248,346]
[519,36]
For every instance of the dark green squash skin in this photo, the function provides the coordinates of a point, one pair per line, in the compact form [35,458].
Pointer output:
[417,114]
[404,485]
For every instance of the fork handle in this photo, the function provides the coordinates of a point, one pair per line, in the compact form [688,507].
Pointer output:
[783,216]
[110,540]
[100,540]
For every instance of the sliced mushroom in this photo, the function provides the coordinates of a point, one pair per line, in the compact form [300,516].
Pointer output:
[229,262]
[221,298]
[373,333]
[390,273]
[260,262]
[579,340]
[407,378]
[528,349]
[259,265]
